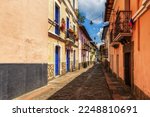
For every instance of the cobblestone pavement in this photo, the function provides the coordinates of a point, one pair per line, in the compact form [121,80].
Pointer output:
[90,85]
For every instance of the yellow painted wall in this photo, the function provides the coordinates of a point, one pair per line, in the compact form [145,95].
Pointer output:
[63,14]
[52,42]
[51,50]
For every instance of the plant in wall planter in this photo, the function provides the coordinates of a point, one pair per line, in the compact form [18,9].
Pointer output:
[63,25]
[70,30]
[76,37]
[131,24]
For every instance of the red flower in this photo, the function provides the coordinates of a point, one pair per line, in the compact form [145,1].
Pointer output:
[63,25]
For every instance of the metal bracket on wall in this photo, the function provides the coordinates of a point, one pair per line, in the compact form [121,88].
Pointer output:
[52,23]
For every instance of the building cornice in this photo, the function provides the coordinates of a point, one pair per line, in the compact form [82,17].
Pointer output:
[145,6]
[108,9]
[85,32]
[72,12]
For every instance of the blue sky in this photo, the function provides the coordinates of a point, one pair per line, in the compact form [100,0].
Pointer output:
[93,10]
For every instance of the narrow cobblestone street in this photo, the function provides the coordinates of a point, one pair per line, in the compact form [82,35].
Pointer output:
[92,83]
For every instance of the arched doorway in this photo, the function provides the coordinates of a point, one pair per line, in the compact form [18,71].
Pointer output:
[57,60]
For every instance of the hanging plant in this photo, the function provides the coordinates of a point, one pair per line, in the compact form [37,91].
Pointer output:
[63,25]
[70,30]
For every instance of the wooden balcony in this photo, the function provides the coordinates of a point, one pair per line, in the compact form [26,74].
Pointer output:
[121,26]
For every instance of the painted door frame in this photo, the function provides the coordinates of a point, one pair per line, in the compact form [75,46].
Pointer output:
[67,60]
[57,60]
[56,5]
[55,44]
[67,25]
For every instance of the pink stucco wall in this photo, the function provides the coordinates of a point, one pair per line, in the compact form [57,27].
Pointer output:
[83,39]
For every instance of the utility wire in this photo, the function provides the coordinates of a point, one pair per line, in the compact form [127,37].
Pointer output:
[98,17]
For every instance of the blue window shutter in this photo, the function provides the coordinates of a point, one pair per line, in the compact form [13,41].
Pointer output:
[57,19]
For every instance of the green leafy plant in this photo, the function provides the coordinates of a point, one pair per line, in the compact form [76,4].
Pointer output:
[81,18]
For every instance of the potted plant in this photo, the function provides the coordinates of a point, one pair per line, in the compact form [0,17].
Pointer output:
[63,25]
[70,30]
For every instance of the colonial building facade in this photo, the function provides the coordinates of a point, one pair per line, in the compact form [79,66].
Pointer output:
[87,49]
[63,38]
[23,38]
[93,53]
[127,40]
[29,56]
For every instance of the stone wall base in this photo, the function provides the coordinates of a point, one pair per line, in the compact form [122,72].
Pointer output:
[50,71]
[63,68]
[17,79]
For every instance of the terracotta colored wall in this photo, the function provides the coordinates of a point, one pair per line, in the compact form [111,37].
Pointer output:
[113,66]
[23,31]
[142,53]
[121,61]
[141,38]
[119,5]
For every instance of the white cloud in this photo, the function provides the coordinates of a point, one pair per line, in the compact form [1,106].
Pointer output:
[93,9]
[99,34]
[101,30]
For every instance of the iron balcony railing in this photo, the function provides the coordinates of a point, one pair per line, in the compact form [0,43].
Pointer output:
[122,23]
[70,36]
[85,47]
